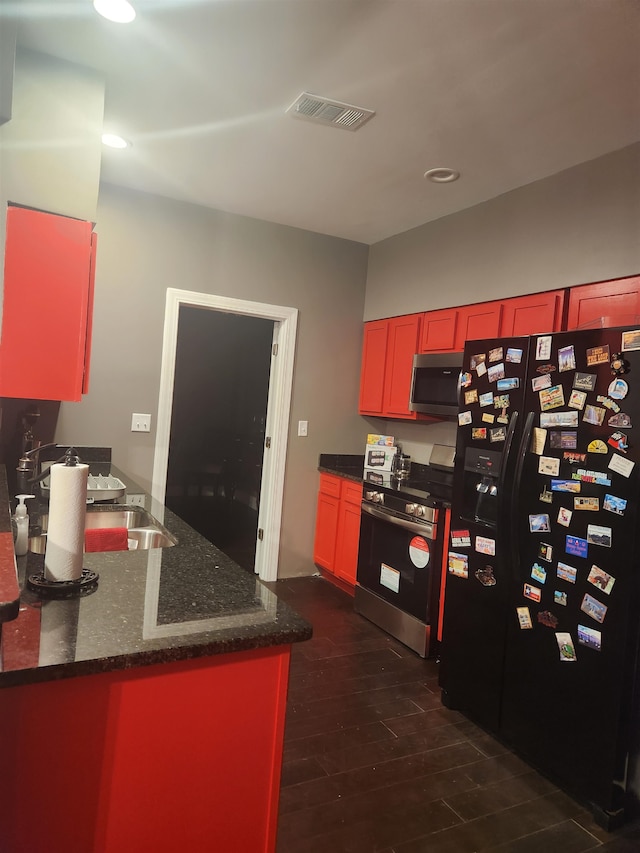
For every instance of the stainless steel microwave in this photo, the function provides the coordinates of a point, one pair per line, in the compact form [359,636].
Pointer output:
[435,384]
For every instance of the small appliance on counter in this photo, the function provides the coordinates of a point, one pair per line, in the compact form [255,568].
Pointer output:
[402,549]
[379,453]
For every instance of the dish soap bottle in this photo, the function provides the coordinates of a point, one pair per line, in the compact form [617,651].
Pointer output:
[21,526]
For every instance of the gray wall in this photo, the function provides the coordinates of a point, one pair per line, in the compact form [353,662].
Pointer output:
[147,244]
[578,226]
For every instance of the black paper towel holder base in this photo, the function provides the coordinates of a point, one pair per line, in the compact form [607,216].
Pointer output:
[84,585]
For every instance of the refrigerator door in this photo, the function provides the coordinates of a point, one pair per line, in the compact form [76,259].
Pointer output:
[478,584]
[572,636]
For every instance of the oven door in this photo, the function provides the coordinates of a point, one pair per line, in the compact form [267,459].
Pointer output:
[397,559]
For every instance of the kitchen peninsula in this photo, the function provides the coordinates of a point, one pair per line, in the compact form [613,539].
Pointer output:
[149,714]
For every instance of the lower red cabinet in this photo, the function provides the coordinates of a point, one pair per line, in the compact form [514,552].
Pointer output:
[338,527]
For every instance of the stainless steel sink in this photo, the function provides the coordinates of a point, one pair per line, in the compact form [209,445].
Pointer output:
[141,526]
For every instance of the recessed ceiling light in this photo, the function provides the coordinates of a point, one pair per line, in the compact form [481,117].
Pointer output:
[442,175]
[119,11]
[114,141]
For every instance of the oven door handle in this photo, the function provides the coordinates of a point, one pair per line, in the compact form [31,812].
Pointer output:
[424,528]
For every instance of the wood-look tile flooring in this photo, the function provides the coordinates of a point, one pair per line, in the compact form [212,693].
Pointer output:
[374,762]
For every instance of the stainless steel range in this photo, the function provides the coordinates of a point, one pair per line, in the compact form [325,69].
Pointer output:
[402,554]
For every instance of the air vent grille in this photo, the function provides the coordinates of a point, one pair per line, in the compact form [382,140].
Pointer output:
[325,111]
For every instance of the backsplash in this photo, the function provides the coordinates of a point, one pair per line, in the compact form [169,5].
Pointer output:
[417,439]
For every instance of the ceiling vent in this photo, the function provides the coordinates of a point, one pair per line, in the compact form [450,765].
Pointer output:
[326,111]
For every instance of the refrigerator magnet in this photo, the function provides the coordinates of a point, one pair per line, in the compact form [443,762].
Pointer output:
[478,433]
[540,382]
[460,539]
[546,617]
[620,420]
[577,400]
[488,418]
[495,354]
[486,576]
[599,535]
[631,340]
[470,397]
[501,401]
[476,360]
[458,565]
[621,465]
[496,372]
[589,637]
[560,597]
[594,608]
[564,516]
[485,545]
[600,579]
[549,420]
[566,647]
[619,364]
[608,403]
[566,439]
[546,368]
[619,441]
[515,355]
[598,355]
[524,618]
[584,381]
[465,379]
[464,418]
[503,418]
[538,440]
[508,384]
[549,465]
[613,504]
[566,359]
[588,504]
[539,523]
[543,348]
[532,592]
[572,486]
[597,477]
[546,496]
[552,398]
[575,546]
[481,369]
[618,389]
[574,458]
[486,399]
[538,573]
[498,434]
[545,552]
[594,415]
[597,446]
[566,573]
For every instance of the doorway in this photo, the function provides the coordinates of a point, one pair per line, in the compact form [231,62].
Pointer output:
[218,426]
[211,466]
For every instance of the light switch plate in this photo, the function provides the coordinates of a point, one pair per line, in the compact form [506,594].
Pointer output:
[140,423]
[303,428]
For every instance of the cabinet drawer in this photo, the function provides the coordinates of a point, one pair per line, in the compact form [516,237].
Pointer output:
[352,492]
[330,485]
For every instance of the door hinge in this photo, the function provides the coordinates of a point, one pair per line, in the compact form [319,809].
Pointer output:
[267,442]
[260,534]
[274,349]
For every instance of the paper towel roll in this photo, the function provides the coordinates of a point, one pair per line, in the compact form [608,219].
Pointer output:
[65,533]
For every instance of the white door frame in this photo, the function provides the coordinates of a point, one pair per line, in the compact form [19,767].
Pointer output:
[278,407]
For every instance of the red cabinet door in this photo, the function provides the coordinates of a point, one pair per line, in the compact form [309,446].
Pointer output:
[605,303]
[45,305]
[478,321]
[328,511]
[374,356]
[402,345]
[438,332]
[346,562]
[532,315]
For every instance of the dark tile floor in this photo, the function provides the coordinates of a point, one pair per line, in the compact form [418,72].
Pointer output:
[374,762]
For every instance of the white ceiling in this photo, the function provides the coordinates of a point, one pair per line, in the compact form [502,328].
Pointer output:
[505,91]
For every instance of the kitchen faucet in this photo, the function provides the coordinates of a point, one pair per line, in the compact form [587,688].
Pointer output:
[28,462]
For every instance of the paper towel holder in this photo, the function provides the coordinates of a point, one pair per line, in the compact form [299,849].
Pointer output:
[84,585]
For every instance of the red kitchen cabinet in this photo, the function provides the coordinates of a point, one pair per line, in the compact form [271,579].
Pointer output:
[605,303]
[346,559]
[478,321]
[374,358]
[338,527]
[387,361]
[531,315]
[438,332]
[47,306]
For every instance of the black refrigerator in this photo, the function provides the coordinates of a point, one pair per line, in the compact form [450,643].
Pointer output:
[542,604]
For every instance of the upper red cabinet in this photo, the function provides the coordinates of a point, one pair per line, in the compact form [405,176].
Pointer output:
[47,306]
[605,303]
[478,321]
[531,315]
[387,361]
[439,330]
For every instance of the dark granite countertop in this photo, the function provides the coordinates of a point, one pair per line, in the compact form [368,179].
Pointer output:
[345,465]
[150,606]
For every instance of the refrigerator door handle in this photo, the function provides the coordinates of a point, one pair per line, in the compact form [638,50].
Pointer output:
[506,453]
[517,479]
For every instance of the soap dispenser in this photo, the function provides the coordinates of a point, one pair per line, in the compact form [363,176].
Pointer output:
[21,526]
